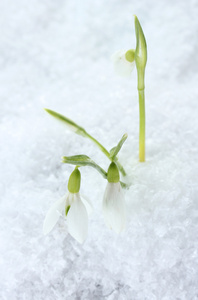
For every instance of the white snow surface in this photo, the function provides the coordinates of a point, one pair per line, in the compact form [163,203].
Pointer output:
[56,54]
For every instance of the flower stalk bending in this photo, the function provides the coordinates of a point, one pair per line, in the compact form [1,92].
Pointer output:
[81,131]
[124,62]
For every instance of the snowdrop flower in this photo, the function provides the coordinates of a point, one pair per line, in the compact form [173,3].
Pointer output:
[114,210]
[73,207]
[124,62]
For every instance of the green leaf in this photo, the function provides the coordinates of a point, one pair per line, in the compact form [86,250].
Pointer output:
[114,151]
[141,47]
[69,123]
[111,152]
[125,185]
[83,160]
[81,131]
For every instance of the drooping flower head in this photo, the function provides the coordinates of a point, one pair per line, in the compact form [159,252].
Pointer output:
[124,62]
[72,207]
[114,210]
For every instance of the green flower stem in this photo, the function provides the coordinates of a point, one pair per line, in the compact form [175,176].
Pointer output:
[104,150]
[142,126]
[81,131]
[142,118]
[83,160]
[140,60]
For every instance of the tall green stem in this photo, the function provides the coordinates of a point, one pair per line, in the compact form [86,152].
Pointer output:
[141,126]
[140,60]
[142,117]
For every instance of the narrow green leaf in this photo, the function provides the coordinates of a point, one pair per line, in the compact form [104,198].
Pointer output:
[69,123]
[124,185]
[80,159]
[83,160]
[114,151]
[141,47]
[111,152]
[81,131]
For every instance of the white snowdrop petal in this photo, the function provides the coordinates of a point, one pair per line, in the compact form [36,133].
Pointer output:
[87,204]
[77,220]
[121,66]
[114,209]
[53,214]
[116,56]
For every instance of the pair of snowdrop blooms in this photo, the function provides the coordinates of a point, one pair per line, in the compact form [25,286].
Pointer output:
[75,209]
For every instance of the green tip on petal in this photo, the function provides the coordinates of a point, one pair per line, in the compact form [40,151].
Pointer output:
[74,181]
[113,173]
[130,55]
[67,210]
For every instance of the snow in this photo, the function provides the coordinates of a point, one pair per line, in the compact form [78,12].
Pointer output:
[56,54]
